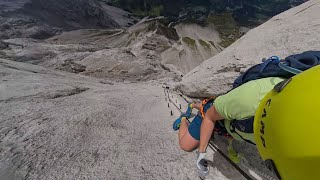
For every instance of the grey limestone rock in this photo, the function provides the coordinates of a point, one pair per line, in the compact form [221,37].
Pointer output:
[41,19]
[294,31]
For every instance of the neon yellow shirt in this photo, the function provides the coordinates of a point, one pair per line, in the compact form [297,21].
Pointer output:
[242,103]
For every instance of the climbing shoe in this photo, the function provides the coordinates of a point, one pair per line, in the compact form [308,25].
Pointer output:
[176,124]
[188,112]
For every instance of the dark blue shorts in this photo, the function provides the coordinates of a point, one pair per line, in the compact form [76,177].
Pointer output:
[194,127]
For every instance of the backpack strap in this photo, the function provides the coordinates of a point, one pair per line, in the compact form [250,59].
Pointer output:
[245,126]
[258,71]
[284,65]
[266,62]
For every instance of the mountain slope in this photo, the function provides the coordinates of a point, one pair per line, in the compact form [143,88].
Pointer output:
[41,19]
[146,51]
[59,125]
[245,12]
[293,31]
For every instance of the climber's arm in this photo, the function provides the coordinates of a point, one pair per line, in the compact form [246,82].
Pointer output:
[207,127]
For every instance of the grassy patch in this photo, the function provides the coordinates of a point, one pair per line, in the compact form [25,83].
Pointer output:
[136,34]
[152,26]
[129,42]
[212,43]
[153,12]
[204,44]
[226,43]
[198,9]
[170,33]
[190,42]
[226,26]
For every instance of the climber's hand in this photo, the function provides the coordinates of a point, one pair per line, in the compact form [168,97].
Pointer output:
[202,165]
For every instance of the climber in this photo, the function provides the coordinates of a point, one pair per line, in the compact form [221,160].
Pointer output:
[286,127]
[235,111]
[239,104]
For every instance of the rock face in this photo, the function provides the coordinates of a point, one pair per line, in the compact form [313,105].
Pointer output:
[41,19]
[293,31]
[58,125]
[96,122]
